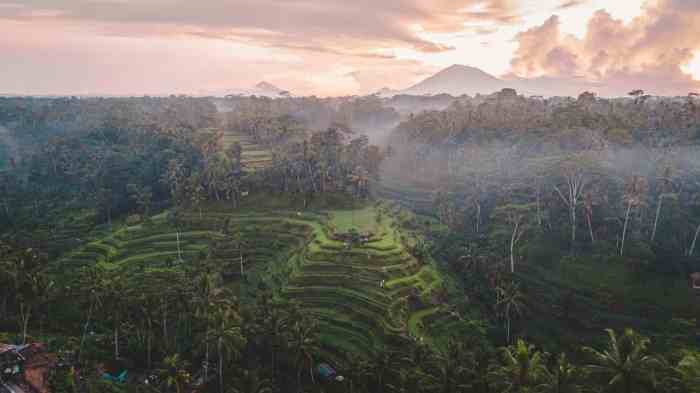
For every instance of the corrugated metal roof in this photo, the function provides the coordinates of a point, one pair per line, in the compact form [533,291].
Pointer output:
[4,348]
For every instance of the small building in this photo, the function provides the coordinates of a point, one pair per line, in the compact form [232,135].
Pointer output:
[11,361]
[28,365]
[694,280]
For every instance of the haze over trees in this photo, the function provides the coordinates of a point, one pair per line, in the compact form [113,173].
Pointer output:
[496,243]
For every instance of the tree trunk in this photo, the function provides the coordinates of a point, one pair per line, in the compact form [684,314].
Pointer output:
[513,240]
[624,228]
[85,329]
[206,356]
[221,368]
[179,251]
[691,251]
[311,370]
[539,207]
[590,227]
[478,216]
[573,226]
[116,341]
[656,218]
[241,260]
[507,328]
[148,343]
[300,367]
[165,323]
[26,314]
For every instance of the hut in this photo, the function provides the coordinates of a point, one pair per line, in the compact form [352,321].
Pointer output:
[28,365]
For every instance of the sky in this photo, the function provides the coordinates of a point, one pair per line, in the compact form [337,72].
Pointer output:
[340,47]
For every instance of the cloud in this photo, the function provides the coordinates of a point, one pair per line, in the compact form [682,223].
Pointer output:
[176,46]
[57,59]
[571,3]
[324,23]
[648,53]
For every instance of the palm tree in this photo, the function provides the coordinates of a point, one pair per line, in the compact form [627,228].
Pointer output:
[203,305]
[522,368]
[250,381]
[625,362]
[381,365]
[226,333]
[93,280]
[358,371]
[407,381]
[176,375]
[273,321]
[563,377]
[302,336]
[450,369]
[509,300]
[688,372]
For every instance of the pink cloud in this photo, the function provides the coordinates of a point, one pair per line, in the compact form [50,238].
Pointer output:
[648,53]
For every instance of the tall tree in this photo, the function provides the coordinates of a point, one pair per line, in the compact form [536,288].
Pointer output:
[625,363]
[522,369]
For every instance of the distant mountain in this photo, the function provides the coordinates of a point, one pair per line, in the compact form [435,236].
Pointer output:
[268,88]
[262,89]
[457,80]
[386,92]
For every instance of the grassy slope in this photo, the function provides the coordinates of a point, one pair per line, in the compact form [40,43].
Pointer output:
[255,156]
[292,251]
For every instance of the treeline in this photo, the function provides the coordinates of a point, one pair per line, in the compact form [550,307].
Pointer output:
[136,155]
[325,162]
[104,154]
[650,121]
[268,120]
[590,176]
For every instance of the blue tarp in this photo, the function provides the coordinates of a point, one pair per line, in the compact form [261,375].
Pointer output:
[119,378]
[326,371]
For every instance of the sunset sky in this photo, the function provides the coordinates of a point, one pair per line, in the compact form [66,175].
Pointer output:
[337,47]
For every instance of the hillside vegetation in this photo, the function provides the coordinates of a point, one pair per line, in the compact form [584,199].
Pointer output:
[496,244]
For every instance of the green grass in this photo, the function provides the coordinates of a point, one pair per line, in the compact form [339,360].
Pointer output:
[362,220]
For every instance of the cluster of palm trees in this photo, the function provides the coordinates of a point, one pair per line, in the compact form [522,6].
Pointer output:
[625,365]
[188,327]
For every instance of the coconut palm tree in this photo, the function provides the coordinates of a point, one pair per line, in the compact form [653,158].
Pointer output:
[226,335]
[358,370]
[510,302]
[451,370]
[302,337]
[250,381]
[203,306]
[625,363]
[175,375]
[522,369]
[688,372]
[563,377]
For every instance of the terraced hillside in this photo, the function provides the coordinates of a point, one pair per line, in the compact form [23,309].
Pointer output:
[366,296]
[255,156]
[190,237]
